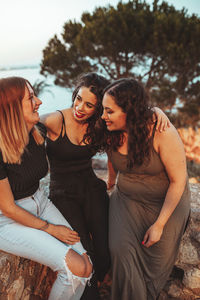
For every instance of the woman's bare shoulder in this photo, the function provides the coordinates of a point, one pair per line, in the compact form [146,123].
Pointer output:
[168,133]
[167,137]
[50,118]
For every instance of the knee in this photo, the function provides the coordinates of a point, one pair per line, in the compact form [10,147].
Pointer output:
[88,266]
[79,265]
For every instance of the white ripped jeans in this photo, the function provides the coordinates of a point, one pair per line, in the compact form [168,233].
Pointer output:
[41,247]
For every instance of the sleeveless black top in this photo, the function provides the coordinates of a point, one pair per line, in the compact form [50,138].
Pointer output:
[70,165]
[66,157]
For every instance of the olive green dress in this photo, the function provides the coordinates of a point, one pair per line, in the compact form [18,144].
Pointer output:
[139,273]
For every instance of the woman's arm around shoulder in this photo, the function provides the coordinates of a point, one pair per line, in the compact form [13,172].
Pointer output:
[53,123]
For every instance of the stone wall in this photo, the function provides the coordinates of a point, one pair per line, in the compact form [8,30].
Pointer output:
[22,279]
[184,283]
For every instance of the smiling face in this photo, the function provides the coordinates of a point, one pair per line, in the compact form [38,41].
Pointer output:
[84,104]
[113,115]
[30,106]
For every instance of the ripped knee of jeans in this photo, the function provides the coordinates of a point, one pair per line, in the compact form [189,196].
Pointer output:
[79,270]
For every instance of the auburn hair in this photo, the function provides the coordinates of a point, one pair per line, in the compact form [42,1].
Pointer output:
[14,135]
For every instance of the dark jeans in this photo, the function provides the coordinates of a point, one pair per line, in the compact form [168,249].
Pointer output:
[84,203]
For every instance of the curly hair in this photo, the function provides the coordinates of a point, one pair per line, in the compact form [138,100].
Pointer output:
[131,97]
[95,136]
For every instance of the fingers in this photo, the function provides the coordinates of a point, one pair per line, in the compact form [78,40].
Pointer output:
[154,118]
[72,237]
[166,124]
[72,241]
[162,125]
[145,239]
[149,243]
[73,232]
[159,125]
[67,235]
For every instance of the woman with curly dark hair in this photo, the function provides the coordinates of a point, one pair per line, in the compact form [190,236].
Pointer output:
[74,135]
[149,206]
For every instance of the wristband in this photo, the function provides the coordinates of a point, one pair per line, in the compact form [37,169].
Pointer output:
[44,227]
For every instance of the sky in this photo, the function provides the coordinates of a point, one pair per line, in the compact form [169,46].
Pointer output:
[28,25]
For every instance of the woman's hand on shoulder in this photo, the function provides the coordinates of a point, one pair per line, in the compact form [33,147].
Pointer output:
[163,121]
[63,233]
[170,148]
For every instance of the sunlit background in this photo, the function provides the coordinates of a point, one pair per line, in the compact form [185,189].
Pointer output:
[27,25]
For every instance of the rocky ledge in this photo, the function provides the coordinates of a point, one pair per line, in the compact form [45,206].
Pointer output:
[184,283]
[21,279]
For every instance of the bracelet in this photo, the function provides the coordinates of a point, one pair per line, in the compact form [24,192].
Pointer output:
[44,227]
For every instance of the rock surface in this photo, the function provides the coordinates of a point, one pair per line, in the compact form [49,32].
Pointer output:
[22,279]
[188,260]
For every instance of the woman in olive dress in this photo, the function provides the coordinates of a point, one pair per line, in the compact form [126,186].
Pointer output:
[149,206]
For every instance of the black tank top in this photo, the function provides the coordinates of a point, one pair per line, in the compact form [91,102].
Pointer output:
[66,157]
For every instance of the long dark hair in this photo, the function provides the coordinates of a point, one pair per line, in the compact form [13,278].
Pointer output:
[131,97]
[94,136]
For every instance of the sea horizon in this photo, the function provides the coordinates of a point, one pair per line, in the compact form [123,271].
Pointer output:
[53,97]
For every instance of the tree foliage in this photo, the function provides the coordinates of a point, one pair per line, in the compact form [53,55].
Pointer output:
[157,45]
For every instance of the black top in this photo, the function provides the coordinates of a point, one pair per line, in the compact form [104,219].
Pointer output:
[70,166]
[66,157]
[24,178]
[80,196]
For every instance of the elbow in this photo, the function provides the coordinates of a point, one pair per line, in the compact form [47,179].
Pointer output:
[179,183]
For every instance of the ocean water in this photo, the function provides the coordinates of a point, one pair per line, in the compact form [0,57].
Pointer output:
[54,97]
